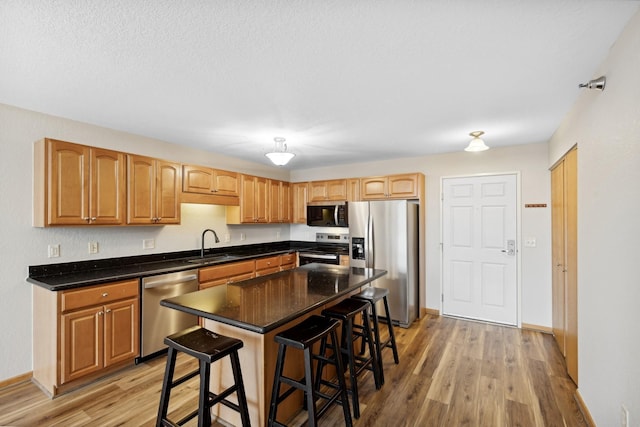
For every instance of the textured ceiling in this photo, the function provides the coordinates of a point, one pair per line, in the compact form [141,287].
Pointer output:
[341,80]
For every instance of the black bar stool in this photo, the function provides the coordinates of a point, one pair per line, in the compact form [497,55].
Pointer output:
[207,347]
[347,310]
[303,336]
[373,295]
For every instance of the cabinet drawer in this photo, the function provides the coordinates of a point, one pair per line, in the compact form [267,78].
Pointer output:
[268,270]
[288,259]
[100,294]
[268,262]
[209,274]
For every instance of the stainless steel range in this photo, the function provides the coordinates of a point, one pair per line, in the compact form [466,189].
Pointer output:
[327,250]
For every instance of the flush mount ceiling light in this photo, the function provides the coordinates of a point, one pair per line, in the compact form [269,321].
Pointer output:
[279,156]
[476,144]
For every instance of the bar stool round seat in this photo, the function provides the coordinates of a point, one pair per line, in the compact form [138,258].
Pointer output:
[373,295]
[207,347]
[302,337]
[346,311]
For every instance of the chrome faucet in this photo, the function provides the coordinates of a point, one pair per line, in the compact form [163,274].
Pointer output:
[203,233]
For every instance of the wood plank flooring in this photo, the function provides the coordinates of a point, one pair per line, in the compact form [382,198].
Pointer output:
[452,372]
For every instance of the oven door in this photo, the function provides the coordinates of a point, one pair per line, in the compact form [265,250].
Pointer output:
[308,258]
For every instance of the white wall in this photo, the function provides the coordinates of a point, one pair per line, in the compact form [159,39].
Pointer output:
[22,245]
[530,160]
[606,127]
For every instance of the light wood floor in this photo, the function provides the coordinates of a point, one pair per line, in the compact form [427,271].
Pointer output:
[452,373]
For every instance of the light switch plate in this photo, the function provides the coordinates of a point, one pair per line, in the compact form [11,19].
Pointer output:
[530,242]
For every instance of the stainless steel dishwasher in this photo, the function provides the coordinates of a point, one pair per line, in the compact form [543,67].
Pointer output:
[158,321]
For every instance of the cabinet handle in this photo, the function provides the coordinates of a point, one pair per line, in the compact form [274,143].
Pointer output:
[108,310]
[86,218]
[105,294]
[93,218]
[100,313]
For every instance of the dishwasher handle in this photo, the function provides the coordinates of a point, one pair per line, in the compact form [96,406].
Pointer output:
[165,282]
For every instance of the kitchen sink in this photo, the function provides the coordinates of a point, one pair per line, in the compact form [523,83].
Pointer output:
[212,259]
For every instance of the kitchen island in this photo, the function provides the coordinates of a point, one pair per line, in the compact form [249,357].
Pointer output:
[255,311]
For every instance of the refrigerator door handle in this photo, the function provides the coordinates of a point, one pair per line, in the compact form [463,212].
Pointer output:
[371,256]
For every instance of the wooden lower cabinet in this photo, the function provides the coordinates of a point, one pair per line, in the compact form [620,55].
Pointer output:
[82,334]
[226,273]
[267,265]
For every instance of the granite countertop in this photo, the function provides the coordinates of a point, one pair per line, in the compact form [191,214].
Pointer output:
[57,277]
[265,303]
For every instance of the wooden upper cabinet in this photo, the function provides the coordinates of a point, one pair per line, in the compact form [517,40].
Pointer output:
[299,192]
[203,180]
[78,185]
[404,186]
[331,190]
[353,190]
[253,207]
[279,201]
[153,191]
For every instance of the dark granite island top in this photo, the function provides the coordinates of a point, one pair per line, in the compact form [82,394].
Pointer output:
[254,311]
[263,304]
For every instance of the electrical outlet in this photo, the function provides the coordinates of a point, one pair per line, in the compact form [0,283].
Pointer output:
[148,243]
[243,236]
[227,237]
[93,247]
[277,234]
[624,416]
[53,251]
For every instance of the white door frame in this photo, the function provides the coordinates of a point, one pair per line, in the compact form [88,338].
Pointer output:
[518,237]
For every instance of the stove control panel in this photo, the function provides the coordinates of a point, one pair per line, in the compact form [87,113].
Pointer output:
[332,238]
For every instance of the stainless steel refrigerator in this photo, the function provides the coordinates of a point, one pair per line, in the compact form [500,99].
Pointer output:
[384,235]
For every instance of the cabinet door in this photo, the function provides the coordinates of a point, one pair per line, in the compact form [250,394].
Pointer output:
[299,205]
[402,186]
[353,190]
[197,179]
[153,191]
[247,200]
[274,201]
[121,331]
[225,183]
[82,343]
[168,184]
[285,202]
[260,202]
[68,178]
[337,189]
[317,191]
[108,186]
[141,190]
[373,188]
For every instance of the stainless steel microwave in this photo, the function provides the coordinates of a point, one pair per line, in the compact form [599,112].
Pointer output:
[328,215]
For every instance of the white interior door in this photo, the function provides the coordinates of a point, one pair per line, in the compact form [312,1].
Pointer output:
[479,249]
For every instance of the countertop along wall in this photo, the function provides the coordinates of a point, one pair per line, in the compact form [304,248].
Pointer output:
[606,127]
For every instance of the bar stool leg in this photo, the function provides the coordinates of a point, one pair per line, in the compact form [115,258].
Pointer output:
[308,378]
[392,335]
[204,411]
[166,387]
[344,396]
[242,397]
[376,364]
[275,392]
[347,340]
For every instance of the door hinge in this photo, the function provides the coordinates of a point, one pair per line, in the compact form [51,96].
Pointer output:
[441,297]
